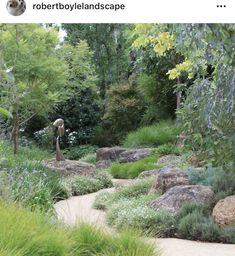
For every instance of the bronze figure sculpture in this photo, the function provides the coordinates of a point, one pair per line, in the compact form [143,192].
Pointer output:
[59,124]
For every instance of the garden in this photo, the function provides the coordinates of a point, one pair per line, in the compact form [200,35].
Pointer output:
[140,117]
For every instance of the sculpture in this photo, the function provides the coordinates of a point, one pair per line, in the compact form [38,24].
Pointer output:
[59,124]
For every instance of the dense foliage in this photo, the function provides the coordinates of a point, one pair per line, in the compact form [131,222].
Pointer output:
[169,87]
[207,64]
[109,44]
[124,109]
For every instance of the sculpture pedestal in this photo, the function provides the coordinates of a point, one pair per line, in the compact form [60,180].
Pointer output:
[70,167]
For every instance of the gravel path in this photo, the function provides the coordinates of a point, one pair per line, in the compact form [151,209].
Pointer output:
[79,209]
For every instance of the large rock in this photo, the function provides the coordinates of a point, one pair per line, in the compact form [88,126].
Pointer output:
[109,154]
[105,156]
[132,155]
[167,159]
[224,211]
[103,164]
[70,167]
[168,177]
[175,197]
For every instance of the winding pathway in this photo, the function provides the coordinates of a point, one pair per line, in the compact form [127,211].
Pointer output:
[79,209]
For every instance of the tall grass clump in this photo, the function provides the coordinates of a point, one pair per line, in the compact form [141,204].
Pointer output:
[152,136]
[132,170]
[81,185]
[25,233]
[30,232]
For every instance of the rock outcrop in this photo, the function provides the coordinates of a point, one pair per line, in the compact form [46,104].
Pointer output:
[70,167]
[132,155]
[105,156]
[168,177]
[224,211]
[175,197]
[111,154]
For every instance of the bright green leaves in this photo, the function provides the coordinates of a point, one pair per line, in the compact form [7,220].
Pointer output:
[162,43]
[186,66]
[5,113]
[81,69]
[150,34]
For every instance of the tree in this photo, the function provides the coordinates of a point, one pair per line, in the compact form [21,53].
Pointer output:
[35,78]
[208,113]
[110,47]
[124,108]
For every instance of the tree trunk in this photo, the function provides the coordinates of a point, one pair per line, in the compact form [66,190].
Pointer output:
[15,133]
[178,95]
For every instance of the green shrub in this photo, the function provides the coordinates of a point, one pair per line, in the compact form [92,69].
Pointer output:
[222,182]
[102,200]
[85,185]
[153,136]
[29,182]
[228,233]
[196,223]
[225,183]
[132,170]
[123,108]
[136,214]
[77,152]
[80,185]
[196,226]
[35,188]
[82,112]
[137,188]
[204,176]
[25,233]
[45,137]
[167,149]
[189,208]
[89,158]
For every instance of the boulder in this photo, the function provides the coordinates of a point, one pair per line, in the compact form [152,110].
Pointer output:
[70,167]
[109,154]
[224,211]
[175,197]
[103,164]
[167,159]
[105,156]
[168,177]
[132,155]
